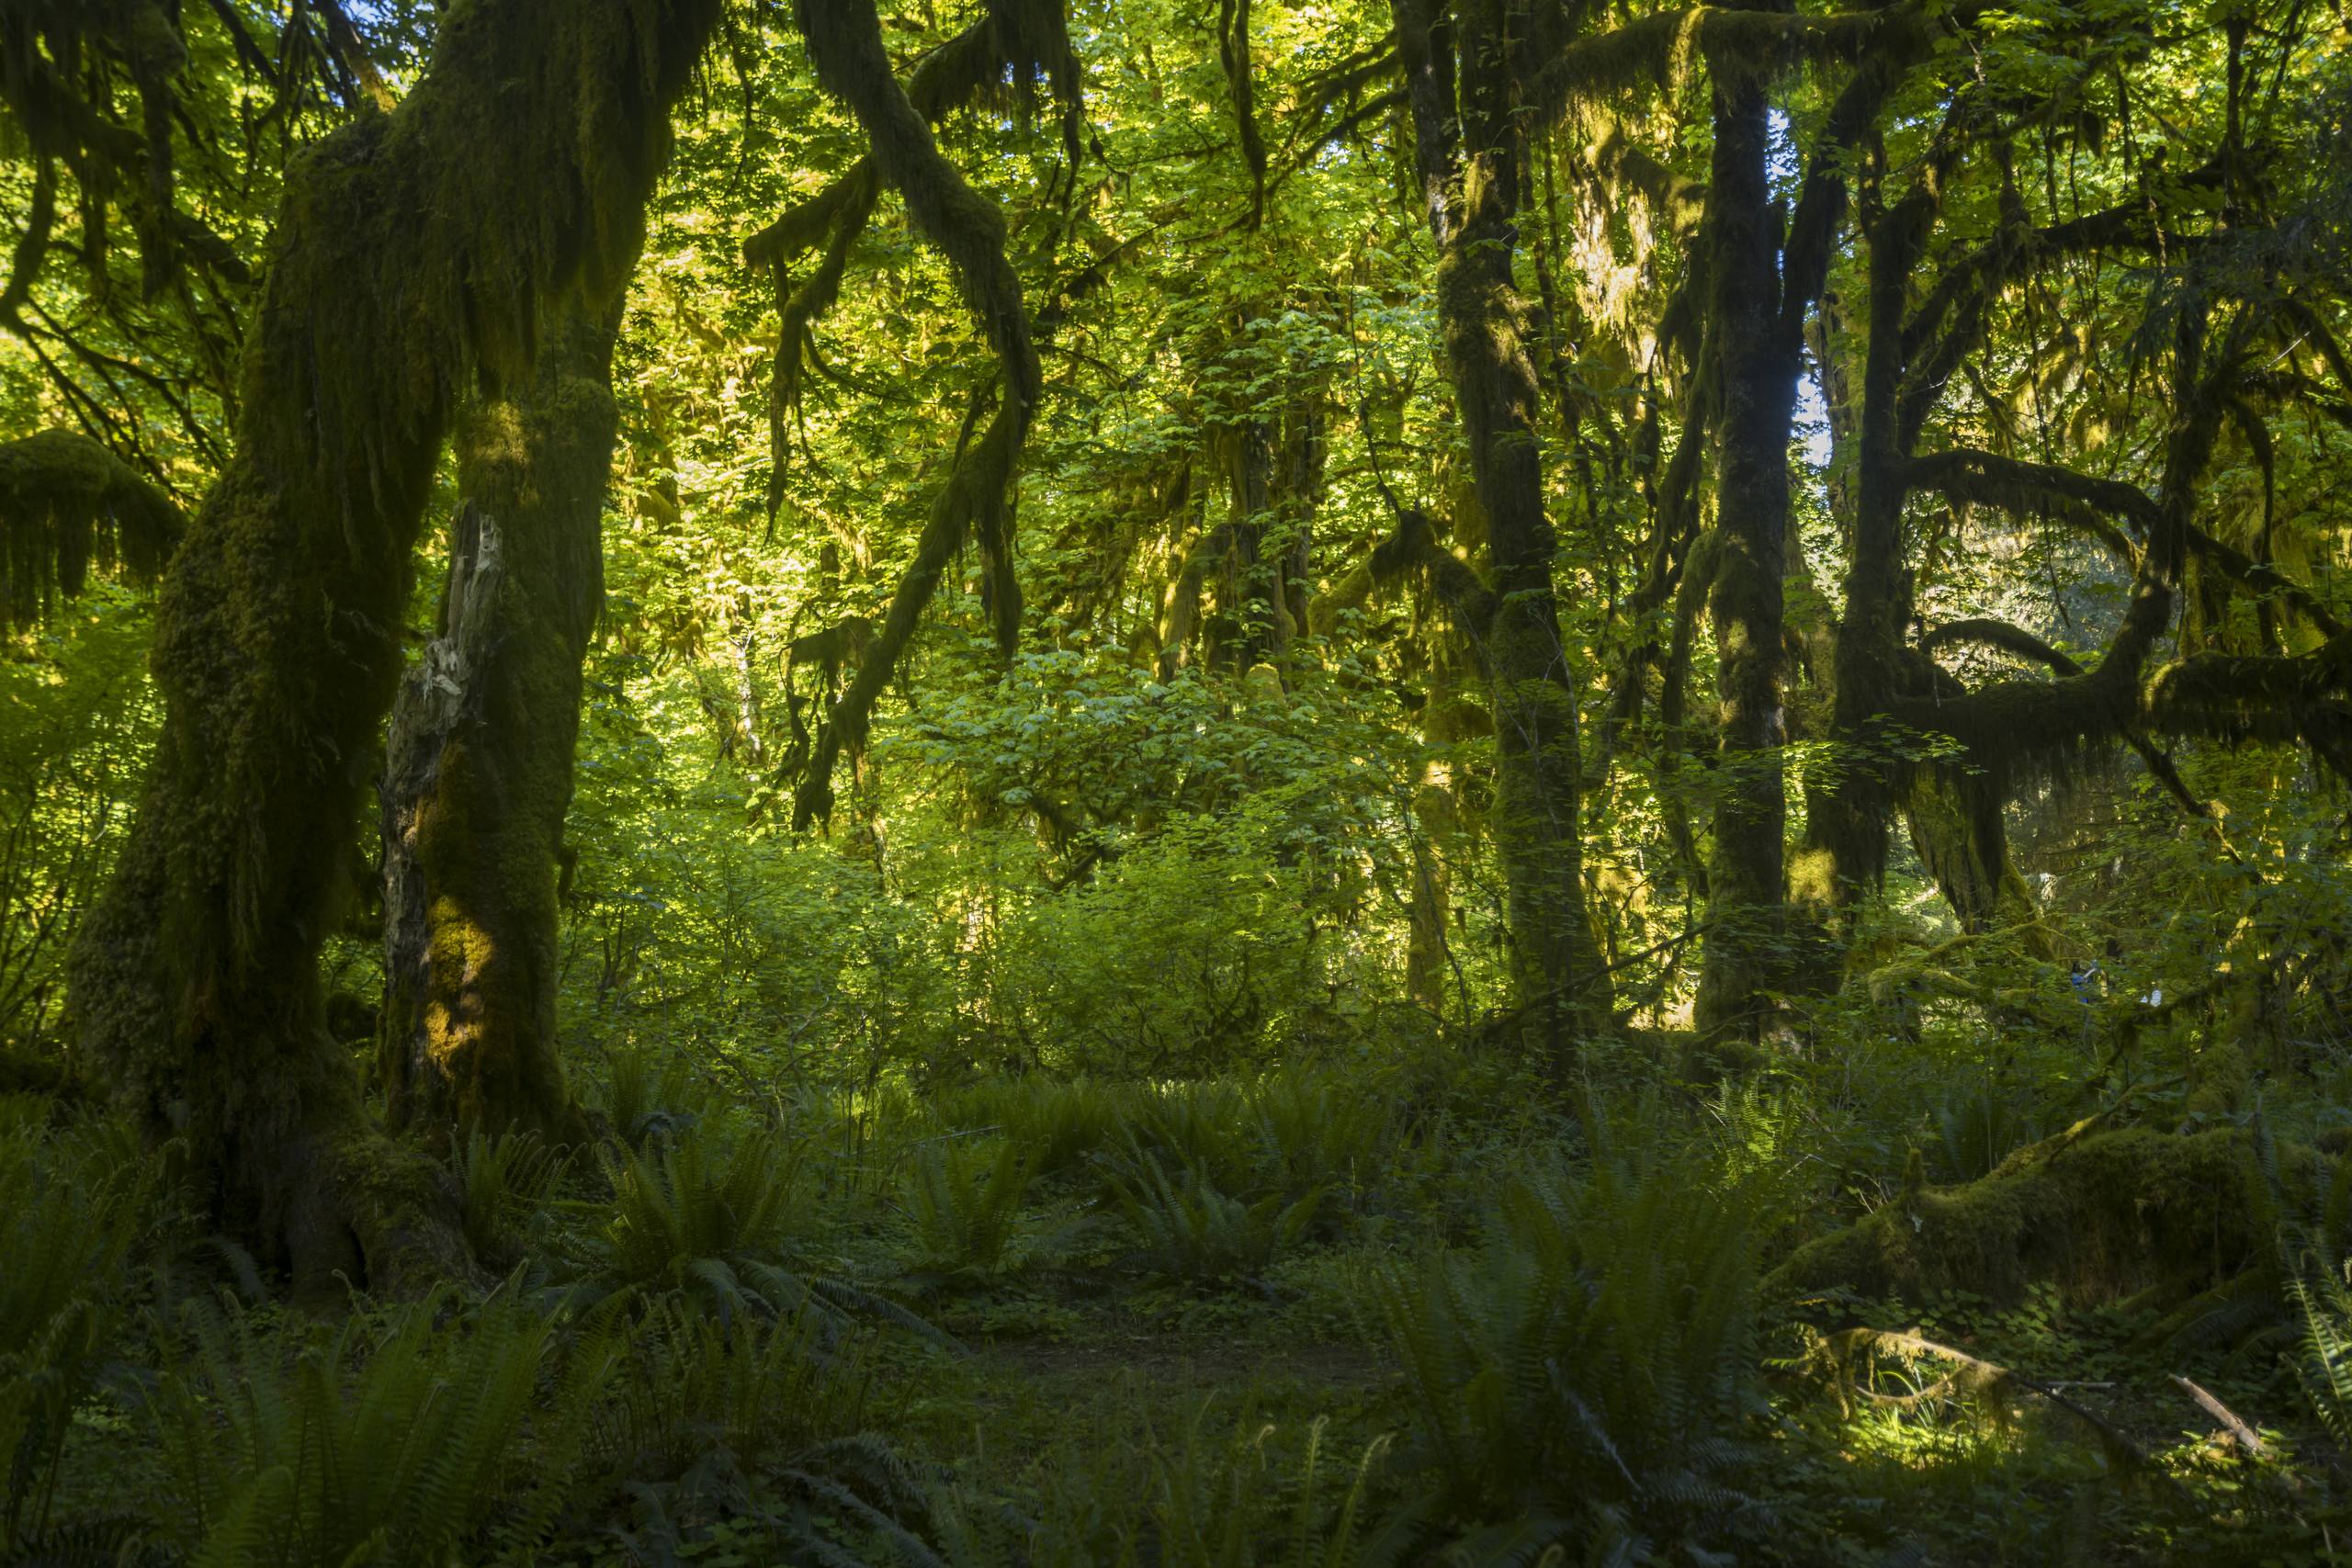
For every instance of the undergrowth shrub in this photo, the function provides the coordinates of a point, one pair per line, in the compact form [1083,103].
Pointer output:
[390,1443]
[73,1205]
[2322,1297]
[1588,1372]
[1235,1498]
[758,1424]
[1237,1503]
[1202,1125]
[1187,1230]
[704,1214]
[1059,1123]
[693,1386]
[649,1093]
[1975,1129]
[964,1200]
[716,1219]
[1317,1131]
[504,1185]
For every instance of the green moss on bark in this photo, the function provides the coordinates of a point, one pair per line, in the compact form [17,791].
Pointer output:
[413,249]
[2101,1215]
[479,773]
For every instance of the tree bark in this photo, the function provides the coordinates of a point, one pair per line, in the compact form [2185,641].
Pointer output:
[413,250]
[478,770]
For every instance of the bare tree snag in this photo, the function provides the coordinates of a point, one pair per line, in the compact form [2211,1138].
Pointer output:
[478,769]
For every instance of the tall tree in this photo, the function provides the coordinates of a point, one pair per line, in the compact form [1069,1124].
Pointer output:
[1462,89]
[413,250]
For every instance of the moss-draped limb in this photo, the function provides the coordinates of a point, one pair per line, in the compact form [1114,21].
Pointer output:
[975,502]
[68,505]
[413,249]
[1240,79]
[2016,722]
[2022,487]
[2240,698]
[1749,43]
[478,767]
[2100,1215]
[1952,316]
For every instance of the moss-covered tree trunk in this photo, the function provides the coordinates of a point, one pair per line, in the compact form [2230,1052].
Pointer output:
[1756,388]
[1467,156]
[413,250]
[478,769]
[1446,720]
[1849,810]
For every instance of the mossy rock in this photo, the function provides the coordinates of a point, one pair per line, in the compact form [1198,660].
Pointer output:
[2101,1215]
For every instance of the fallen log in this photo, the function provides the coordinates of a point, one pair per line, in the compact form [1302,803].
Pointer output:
[2100,1215]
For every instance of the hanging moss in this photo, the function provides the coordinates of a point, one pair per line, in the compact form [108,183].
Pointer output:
[1658,52]
[1028,42]
[67,506]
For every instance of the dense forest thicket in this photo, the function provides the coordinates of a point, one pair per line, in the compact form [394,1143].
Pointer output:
[1175,782]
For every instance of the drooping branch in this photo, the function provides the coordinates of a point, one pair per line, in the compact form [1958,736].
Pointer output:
[975,502]
[2015,721]
[2003,635]
[2241,699]
[2081,500]
[2018,485]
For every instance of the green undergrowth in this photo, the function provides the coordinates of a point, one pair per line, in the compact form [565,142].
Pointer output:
[1325,1315]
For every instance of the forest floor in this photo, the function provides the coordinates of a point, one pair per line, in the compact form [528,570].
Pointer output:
[1068,1373]
[1139,1357]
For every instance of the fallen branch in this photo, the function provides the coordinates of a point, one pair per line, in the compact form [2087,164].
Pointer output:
[2246,1437]
[1985,1378]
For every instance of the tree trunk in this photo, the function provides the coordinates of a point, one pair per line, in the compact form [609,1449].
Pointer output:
[1470,181]
[413,249]
[1849,811]
[1747,934]
[478,771]
[1446,719]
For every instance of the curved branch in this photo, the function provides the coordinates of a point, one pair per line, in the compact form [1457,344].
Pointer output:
[2003,635]
[844,39]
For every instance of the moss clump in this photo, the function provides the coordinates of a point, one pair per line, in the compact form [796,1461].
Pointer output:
[2101,1215]
[67,504]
